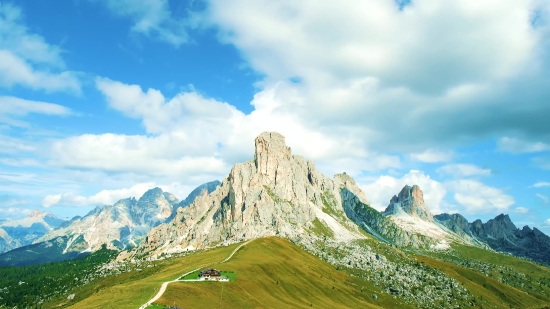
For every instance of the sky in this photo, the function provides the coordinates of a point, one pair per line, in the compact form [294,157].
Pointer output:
[105,99]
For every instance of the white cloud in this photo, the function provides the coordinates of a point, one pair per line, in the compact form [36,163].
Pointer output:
[22,53]
[379,71]
[433,156]
[541,184]
[546,223]
[477,197]
[191,134]
[463,170]
[109,197]
[283,39]
[382,189]
[161,155]
[12,108]
[544,198]
[514,145]
[153,18]
[521,210]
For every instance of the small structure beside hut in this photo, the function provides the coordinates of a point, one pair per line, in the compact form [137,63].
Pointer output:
[211,274]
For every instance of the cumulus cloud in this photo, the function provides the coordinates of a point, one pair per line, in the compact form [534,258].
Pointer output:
[191,134]
[477,197]
[27,59]
[380,69]
[463,170]
[383,188]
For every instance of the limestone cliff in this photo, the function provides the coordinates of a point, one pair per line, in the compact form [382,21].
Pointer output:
[277,193]
[411,201]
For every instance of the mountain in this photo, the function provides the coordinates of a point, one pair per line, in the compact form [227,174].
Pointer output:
[120,226]
[409,211]
[276,193]
[411,201]
[209,187]
[18,233]
[502,235]
[52,250]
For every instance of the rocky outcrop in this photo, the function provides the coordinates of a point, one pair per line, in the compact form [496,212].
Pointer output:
[209,187]
[123,225]
[277,193]
[381,227]
[456,223]
[18,233]
[411,201]
[502,235]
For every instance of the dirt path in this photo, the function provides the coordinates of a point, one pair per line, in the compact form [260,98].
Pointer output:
[165,284]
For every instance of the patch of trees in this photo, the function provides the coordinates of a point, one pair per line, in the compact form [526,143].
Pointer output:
[30,286]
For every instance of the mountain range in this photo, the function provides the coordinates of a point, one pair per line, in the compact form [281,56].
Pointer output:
[121,226]
[275,194]
[305,222]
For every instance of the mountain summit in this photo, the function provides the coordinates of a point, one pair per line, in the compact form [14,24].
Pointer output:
[277,193]
[411,201]
[17,233]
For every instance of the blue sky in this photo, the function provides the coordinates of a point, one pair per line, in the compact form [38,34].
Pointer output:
[104,99]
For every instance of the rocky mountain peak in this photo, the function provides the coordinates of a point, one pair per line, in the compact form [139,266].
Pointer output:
[503,221]
[38,214]
[152,194]
[277,193]
[270,150]
[410,200]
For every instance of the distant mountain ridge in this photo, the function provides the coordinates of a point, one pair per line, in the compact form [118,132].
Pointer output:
[18,233]
[120,226]
[500,234]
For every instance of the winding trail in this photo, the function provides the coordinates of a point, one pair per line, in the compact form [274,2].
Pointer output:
[165,284]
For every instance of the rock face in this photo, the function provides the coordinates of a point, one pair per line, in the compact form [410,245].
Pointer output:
[502,235]
[456,223]
[409,212]
[123,225]
[277,193]
[18,233]
[209,187]
[411,201]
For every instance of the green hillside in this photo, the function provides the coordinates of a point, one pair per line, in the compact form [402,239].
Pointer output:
[274,273]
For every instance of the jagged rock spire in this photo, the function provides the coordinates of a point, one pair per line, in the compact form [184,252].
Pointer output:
[411,201]
[271,149]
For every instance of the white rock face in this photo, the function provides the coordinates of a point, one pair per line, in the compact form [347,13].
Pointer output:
[18,233]
[277,193]
[122,225]
[409,211]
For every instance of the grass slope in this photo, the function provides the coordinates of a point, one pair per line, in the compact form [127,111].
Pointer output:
[133,289]
[274,273]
